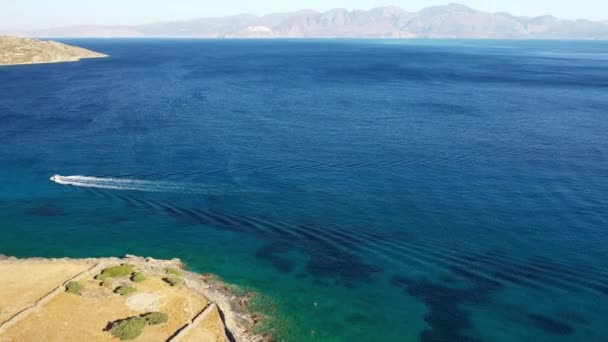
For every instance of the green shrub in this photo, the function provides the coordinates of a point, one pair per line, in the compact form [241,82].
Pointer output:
[125,290]
[154,318]
[107,284]
[174,271]
[138,277]
[116,272]
[173,280]
[74,287]
[128,329]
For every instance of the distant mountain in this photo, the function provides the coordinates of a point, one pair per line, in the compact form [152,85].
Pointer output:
[450,21]
[15,51]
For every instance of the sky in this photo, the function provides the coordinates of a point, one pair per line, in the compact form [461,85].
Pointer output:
[32,14]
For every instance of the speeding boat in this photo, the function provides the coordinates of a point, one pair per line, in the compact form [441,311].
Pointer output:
[57,179]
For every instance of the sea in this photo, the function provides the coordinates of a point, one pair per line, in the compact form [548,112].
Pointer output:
[367,190]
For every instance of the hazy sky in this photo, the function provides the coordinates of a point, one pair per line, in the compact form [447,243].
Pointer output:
[27,14]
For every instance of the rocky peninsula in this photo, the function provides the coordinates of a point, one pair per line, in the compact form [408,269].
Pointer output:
[111,299]
[15,51]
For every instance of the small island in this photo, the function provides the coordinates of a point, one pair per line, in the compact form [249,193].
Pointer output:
[16,51]
[111,299]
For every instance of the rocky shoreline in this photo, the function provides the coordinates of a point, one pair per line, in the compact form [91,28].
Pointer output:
[233,314]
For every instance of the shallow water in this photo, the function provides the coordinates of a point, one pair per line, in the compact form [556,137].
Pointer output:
[376,190]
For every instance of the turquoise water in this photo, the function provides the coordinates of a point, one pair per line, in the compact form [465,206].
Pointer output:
[375,190]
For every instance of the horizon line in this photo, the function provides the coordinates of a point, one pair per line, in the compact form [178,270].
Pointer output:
[300,10]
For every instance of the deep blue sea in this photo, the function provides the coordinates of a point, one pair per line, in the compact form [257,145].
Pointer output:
[368,190]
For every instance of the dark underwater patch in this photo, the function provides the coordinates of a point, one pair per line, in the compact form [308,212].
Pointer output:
[331,262]
[336,264]
[357,318]
[326,260]
[573,317]
[448,321]
[271,253]
[46,210]
[603,289]
[550,325]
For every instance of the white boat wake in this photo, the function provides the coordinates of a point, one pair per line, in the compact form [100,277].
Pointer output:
[129,184]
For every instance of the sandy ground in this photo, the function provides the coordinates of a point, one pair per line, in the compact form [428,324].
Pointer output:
[209,329]
[23,285]
[61,316]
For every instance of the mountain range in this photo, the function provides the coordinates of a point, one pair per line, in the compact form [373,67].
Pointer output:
[449,21]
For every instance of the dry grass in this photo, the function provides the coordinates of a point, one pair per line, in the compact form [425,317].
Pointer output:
[211,329]
[24,283]
[67,317]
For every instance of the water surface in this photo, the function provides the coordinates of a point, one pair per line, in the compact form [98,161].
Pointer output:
[376,190]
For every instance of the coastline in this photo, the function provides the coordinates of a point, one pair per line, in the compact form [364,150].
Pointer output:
[50,279]
[24,51]
[74,60]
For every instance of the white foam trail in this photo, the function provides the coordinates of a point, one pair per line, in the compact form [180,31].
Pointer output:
[130,184]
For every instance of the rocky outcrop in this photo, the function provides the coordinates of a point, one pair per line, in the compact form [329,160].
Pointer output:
[15,51]
[35,302]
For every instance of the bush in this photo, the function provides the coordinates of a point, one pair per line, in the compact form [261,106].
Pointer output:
[138,277]
[116,272]
[74,287]
[154,318]
[125,290]
[128,329]
[174,271]
[107,284]
[173,280]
